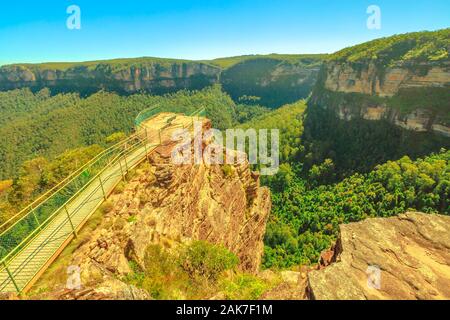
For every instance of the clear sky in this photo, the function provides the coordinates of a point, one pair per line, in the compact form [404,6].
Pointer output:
[35,31]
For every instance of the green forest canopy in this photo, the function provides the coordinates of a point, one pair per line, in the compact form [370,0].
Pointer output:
[409,47]
[308,59]
[305,218]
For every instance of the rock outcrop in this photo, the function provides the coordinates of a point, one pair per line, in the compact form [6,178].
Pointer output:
[110,289]
[400,258]
[406,97]
[171,205]
[291,287]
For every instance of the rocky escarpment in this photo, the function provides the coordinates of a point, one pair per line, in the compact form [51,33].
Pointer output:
[120,76]
[400,258]
[171,205]
[274,80]
[413,96]
[381,100]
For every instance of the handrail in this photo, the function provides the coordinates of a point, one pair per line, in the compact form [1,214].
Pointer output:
[59,209]
[33,204]
[148,112]
[112,156]
[36,203]
[73,213]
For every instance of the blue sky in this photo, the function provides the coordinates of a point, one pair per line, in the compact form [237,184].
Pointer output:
[35,31]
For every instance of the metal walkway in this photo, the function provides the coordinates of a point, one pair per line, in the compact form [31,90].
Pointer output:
[35,237]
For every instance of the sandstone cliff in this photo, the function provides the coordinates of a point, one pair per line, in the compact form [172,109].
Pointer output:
[123,76]
[412,96]
[401,258]
[274,81]
[381,100]
[367,79]
[171,205]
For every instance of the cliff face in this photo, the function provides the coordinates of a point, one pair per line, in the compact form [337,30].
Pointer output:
[381,100]
[173,205]
[128,78]
[400,258]
[415,97]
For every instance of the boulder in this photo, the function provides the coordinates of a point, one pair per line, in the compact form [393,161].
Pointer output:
[400,258]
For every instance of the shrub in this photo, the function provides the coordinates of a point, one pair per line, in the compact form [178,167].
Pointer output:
[163,274]
[120,187]
[205,260]
[227,170]
[106,207]
[115,138]
[158,261]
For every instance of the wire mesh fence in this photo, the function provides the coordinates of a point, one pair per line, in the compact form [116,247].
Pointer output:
[58,214]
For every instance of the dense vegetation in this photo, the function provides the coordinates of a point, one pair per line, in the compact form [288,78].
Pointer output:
[296,59]
[311,197]
[289,120]
[359,145]
[306,218]
[409,47]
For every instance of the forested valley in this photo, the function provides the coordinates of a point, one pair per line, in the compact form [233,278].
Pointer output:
[310,199]
[332,171]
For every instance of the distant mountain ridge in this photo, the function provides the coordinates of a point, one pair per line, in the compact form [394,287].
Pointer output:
[293,74]
[404,79]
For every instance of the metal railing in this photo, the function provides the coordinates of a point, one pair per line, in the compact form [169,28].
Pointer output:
[150,112]
[146,114]
[72,201]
